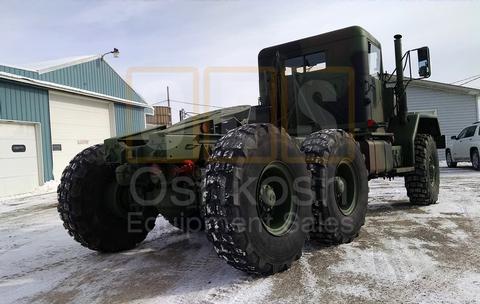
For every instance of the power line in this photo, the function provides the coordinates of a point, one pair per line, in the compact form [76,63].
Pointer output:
[188,103]
[466,78]
[478,77]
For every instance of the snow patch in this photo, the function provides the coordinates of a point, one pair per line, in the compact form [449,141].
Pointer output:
[21,201]
[353,290]
[386,265]
[309,279]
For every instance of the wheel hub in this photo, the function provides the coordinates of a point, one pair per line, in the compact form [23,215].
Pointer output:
[274,200]
[268,195]
[345,188]
[117,199]
[340,185]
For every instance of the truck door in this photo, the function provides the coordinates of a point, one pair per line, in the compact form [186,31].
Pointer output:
[466,142]
[457,145]
[476,138]
[373,86]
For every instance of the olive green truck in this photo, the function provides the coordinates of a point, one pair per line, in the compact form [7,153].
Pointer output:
[261,180]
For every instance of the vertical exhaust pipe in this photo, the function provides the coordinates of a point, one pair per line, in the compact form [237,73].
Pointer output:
[399,88]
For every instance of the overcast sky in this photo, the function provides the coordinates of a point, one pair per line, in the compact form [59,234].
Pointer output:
[200,34]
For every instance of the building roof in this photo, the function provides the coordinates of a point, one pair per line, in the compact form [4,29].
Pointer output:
[440,86]
[64,88]
[82,74]
[52,65]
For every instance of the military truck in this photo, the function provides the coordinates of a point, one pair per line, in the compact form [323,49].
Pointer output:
[261,180]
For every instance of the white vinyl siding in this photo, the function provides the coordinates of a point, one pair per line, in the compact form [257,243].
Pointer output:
[455,110]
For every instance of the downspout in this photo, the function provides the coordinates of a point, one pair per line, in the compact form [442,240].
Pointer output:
[478,107]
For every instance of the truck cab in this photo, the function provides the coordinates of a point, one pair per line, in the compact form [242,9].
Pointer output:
[336,81]
[332,80]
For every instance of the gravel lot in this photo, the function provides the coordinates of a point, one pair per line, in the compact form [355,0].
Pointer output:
[404,254]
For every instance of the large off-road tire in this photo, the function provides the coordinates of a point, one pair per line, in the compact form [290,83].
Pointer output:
[423,184]
[475,157]
[87,211]
[257,199]
[449,158]
[340,185]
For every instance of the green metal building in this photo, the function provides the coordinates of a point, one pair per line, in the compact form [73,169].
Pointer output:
[52,110]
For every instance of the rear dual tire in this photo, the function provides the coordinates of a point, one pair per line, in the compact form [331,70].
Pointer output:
[255,217]
[251,155]
[339,183]
[87,210]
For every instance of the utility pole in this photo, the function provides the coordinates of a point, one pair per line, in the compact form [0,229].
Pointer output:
[168,97]
[182,113]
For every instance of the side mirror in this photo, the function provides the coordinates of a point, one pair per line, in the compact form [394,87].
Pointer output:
[454,137]
[424,62]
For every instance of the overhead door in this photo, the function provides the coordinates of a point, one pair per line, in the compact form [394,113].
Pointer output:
[18,158]
[77,123]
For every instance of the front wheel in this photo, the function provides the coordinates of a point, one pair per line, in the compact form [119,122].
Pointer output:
[423,184]
[475,160]
[450,162]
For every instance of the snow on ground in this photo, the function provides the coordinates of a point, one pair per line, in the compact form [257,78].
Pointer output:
[26,200]
[404,253]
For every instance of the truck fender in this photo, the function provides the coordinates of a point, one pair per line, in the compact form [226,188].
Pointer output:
[430,125]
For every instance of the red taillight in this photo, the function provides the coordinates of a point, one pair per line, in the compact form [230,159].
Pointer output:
[371,123]
[189,163]
[187,167]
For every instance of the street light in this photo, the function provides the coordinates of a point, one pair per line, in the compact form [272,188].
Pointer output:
[115,53]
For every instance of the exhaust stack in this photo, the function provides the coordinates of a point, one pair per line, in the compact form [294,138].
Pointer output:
[399,88]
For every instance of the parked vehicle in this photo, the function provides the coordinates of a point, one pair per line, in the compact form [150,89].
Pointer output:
[465,147]
[260,179]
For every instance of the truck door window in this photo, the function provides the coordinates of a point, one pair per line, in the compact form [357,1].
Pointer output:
[315,62]
[304,64]
[374,60]
[317,96]
[470,131]
[462,134]
[294,65]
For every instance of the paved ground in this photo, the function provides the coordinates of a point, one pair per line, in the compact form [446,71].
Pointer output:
[404,254]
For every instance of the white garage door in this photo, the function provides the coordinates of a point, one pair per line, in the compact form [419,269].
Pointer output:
[18,159]
[77,123]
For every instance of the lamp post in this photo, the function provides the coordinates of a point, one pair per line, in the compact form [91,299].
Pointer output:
[115,53]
